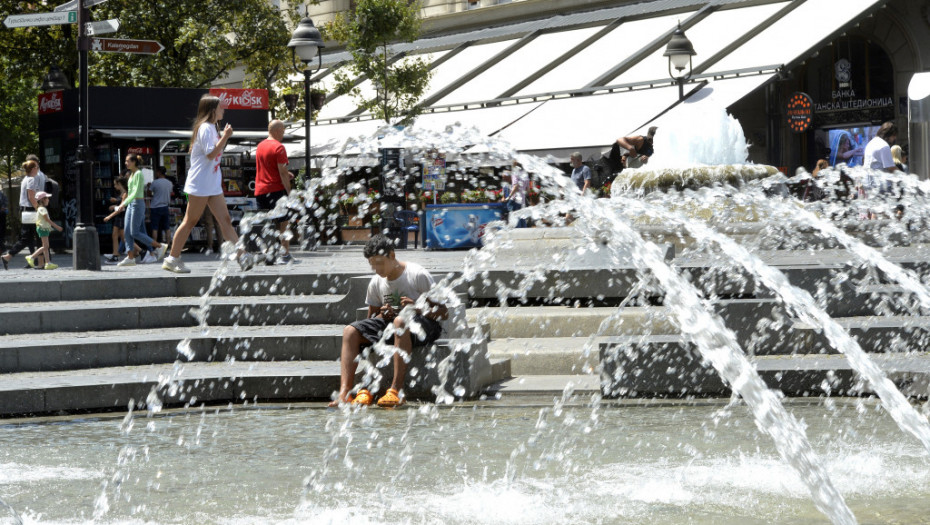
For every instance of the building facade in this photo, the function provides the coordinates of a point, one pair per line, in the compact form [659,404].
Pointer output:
[525,70]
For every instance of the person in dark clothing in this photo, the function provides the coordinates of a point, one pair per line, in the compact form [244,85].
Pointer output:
[637,149]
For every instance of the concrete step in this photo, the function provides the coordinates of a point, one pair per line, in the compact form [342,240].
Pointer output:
[113,348]
[547,355]
[132,285]
[166,312]
[563,321]
[187,384]
[458,369]
[555,385]
[668,366]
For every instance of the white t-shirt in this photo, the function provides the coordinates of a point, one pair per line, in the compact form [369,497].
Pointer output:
[414,282]
[28,183]
[878,154]
[204,178]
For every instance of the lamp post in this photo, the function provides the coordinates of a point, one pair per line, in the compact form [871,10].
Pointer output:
[306,43]
[86,254]
[679,52]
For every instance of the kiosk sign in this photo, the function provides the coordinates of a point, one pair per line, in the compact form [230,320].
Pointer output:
[242,98]
[50,102]
[800,112]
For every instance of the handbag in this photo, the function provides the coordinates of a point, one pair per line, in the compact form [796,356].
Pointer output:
[29,217]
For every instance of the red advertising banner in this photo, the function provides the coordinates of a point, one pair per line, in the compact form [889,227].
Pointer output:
[140,150]
[50,102]
[242,98]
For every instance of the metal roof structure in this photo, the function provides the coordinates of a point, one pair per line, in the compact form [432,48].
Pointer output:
[597,59]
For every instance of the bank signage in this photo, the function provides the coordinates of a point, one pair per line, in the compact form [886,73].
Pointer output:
[242,98]
[800,112]
[50,102]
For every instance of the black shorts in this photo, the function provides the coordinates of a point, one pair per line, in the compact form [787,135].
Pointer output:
[267,202]
[373,327]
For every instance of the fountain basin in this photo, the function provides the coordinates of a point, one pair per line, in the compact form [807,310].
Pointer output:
[660,463]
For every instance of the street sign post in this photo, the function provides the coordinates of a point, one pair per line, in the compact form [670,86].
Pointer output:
[119,45]
[103,27]
[41,19]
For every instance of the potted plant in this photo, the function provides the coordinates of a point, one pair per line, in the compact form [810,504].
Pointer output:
[317,98]
[448,198]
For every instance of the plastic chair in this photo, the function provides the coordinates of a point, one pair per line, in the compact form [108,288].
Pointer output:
[409,222]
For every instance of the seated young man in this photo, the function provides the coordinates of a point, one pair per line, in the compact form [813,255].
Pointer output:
[395,285]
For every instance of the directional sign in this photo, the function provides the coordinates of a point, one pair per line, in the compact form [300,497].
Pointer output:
[41,19]
[102,28]
[118,45]
[73,5]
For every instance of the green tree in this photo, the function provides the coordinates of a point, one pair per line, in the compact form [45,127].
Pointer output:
[367,34]
[203,41]
[18,124]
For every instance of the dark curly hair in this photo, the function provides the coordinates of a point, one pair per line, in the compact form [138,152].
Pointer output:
[378,245]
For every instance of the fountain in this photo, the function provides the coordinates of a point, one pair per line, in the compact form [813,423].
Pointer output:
[623,455]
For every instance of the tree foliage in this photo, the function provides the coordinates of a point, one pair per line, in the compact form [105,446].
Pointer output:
[204,41]
[368,33]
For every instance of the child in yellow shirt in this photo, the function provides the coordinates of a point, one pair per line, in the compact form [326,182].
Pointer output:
[44,227]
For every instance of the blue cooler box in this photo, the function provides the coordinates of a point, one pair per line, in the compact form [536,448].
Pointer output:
[451,226]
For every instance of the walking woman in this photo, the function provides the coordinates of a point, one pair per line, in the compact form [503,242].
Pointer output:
[134,205]
[28,205]
[204,185]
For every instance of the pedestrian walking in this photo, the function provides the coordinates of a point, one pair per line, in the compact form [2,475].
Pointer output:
[581,174]
[204,184]
[27,207]
[119,221]
[519,184]
[162,190]
[44,225]
[273,181]
[134,205]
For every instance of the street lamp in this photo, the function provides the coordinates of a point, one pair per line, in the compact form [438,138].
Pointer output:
[305,44]
[55,80]
[679,52]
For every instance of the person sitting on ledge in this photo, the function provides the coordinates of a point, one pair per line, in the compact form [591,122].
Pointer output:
[395,286]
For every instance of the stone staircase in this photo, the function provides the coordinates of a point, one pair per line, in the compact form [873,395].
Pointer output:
[98,343]
[638,351]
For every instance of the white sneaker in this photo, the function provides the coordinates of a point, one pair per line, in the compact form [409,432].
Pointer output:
[160,252]
[174,265]
[127,262]
[149,258]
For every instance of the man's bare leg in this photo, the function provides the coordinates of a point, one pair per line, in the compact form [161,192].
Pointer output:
[404,342]
[352,341]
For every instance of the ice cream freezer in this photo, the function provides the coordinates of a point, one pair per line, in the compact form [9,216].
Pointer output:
[450,226]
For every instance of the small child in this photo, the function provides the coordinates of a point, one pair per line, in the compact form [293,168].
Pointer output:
[395,285]
[119,185]
[44,227]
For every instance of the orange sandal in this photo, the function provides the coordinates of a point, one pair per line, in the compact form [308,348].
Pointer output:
[390,399]
[362,398]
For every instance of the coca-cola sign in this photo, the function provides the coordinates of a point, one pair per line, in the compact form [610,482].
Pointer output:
[50,102]
[242,98]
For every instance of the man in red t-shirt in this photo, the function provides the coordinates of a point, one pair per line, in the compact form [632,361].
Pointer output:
[272,180]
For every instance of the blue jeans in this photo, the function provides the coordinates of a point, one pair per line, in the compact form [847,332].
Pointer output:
[135,225]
